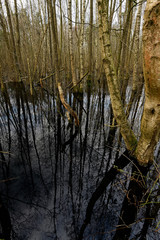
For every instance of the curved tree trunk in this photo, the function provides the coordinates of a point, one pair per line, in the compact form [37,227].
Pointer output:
[112,79]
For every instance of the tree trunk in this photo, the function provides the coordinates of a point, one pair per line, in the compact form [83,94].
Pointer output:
[150,130]
[82,41]
[16,63]
[112,79]
[18,36]
[136,83]
[5,32]
[71,44]
[90,54]
[57,64]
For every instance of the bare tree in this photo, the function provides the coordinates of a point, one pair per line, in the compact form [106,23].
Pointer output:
[82,40]
[57,62]
[18,36]
[90,55]
[71,43]
[142,149]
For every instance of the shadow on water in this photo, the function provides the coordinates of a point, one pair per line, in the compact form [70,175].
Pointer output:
[63,182]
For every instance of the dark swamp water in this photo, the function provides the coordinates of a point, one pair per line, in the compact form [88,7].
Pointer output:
[51,171]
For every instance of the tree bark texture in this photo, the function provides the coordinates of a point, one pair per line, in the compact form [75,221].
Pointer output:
[82,41]
[136,82]
[71,44]
[90,37]
[150,124]
[112,79]
[18,36]
[150,130]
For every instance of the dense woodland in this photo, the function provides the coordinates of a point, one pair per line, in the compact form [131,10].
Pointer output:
[80,119]
[30,29]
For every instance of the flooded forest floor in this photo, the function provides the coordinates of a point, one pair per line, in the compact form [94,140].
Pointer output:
[63,182]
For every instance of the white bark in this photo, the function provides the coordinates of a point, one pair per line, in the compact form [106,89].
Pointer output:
[71,43]
[82,40]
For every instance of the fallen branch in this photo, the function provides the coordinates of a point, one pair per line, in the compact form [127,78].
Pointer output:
[67,106]
[80,80]
[52,74]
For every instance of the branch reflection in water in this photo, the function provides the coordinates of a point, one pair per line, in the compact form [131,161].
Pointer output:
[70,182]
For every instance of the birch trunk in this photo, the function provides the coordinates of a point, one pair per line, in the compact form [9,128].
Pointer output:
[150,130]
[150,124]
[120,38]
[17,68]
[5,31]
[90,38]
[18,36]
[57,64]
[82,40]
[125,47]
[61,28]
[71,43]
[136,83]
[112,11]
[112,79]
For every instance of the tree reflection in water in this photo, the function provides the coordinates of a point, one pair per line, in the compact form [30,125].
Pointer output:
[63,182]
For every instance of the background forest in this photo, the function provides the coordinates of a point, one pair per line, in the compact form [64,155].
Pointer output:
[27,42]
[72,96]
